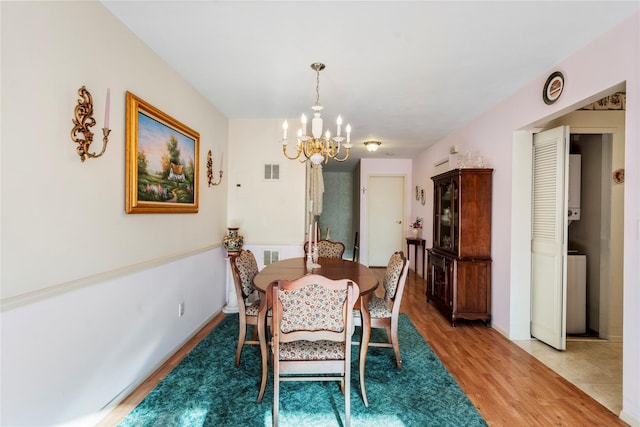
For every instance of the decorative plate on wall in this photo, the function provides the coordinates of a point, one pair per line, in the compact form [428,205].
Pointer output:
[553,88]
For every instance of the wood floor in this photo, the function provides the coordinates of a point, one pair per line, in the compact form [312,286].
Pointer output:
[507,385]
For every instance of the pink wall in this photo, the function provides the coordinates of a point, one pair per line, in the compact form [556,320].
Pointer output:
[606,63]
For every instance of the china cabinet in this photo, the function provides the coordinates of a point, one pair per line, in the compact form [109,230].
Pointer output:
[459,264]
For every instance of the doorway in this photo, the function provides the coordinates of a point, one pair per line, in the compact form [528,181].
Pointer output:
[600,136]
[338,220]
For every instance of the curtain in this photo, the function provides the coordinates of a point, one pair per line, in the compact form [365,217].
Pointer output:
[316,189]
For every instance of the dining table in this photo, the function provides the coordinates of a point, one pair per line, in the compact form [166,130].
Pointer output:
[332,268]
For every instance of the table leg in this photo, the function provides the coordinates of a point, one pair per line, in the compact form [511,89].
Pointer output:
[262,322]
[422,249]
[364,343]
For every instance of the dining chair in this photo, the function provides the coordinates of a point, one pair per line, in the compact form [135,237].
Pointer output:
[244,268]
[385,311]
[311,333]
[327,249]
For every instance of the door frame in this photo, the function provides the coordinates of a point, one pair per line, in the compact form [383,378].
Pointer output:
[521,218]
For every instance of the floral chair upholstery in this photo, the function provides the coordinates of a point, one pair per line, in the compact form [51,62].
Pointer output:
[385,311]
[327,249]
[311,333]
[243,269]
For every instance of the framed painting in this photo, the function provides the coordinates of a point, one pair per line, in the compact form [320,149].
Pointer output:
[161,161]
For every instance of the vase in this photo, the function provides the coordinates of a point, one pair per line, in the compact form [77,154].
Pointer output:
[232,241]
[415,232]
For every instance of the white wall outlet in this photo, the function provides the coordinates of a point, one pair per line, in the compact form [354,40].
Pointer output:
[181,309]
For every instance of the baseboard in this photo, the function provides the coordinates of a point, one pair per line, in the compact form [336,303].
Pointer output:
[629,419]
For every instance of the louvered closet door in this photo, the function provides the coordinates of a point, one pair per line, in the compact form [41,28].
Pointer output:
[549,236]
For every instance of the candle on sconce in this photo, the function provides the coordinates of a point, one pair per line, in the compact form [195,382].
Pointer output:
[348,129]
[285,126]
[315,233]
[106,109]
[339,121]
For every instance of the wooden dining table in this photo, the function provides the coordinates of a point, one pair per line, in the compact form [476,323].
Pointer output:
[333,268]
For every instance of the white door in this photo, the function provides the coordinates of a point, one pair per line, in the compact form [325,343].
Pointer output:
[549,236]
[386,197]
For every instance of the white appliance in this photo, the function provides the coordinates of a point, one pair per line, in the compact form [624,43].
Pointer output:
[575,172]
[576,294]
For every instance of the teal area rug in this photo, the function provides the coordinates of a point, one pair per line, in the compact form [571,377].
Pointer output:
[206,389]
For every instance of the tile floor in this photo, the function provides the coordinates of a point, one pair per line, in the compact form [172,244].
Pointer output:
[592,365]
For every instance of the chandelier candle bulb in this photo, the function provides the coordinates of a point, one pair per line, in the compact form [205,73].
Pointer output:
[339,121]
[348,129]
[303,119]
[285,126]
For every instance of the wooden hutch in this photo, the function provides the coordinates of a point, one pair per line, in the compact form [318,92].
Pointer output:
[459,264]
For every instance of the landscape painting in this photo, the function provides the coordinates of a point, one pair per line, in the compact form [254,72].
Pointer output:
[162,161]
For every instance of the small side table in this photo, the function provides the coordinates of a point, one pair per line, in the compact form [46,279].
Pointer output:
[417,243]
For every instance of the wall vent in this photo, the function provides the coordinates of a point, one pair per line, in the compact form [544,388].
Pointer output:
[272,172]
[270,257]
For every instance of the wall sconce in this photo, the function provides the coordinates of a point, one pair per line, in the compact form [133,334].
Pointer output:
[210,170]
[84,120]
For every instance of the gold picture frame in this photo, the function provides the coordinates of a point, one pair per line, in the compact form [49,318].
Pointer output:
[162,157]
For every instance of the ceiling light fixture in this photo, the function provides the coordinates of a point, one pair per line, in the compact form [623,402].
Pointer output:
[372,145]
[318,148]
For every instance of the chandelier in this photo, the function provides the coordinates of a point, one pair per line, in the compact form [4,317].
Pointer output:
[318,147]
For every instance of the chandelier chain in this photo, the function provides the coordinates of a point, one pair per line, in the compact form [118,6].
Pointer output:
[317,87]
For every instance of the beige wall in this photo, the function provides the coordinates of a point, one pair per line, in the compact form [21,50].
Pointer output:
[64,215]
[267,212]
[90,294]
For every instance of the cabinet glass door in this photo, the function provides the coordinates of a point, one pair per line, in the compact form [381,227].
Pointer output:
[444,215]
[454,220]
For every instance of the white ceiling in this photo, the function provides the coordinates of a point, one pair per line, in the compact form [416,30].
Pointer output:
[406,73]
